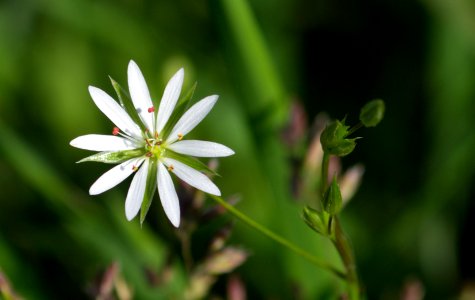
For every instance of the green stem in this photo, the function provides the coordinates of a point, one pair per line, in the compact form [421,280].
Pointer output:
[343,246]
[279,239]
[325,163]
[339,239]
[354,128]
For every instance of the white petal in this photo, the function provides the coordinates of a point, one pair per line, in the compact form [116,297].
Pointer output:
[192,117]
[140,95]
[201,148]
[168,196]
[114,176]
[192,177]
[114,112]
[169,99]
[134,199]
[99,142]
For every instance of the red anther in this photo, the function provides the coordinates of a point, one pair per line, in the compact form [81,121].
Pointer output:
[115,131]
[151,109]
[148,154]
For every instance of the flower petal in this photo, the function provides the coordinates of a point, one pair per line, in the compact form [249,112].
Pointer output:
[99,142]
[192,177]
[140,95]
[192,117]
[134,199]
[201,148]
[168,196]
[169,99]
[114,176]
[114,112]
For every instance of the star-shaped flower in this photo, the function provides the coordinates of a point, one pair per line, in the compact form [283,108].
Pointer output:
[150,143]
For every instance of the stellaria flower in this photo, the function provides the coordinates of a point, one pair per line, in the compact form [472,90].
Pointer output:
[150,143]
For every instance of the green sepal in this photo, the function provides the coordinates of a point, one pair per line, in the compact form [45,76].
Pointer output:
[334,141]
[190,161]
[314,220]
[114,157]
[126,102]
[150,187]
[372,113]
[182,105]
[332,200]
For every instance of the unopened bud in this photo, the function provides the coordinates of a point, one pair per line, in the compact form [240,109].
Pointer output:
[372,113]
[314,220]
[334,139]
[332,199]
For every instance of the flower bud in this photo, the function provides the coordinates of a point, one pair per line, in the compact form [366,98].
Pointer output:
[314,220]
[334,140]
[332,199]
[372,113]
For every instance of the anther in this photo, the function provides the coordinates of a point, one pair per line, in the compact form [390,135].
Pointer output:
[115,131]
[134,168]
[151,109]
[148,154]
[171,168]
[180,136]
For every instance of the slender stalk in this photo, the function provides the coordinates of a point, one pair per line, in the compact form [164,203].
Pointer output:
[340,240]
[343,246]
[354,128]
[325,163]
[279,239]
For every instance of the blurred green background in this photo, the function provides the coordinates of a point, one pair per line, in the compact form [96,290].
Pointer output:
[409,223]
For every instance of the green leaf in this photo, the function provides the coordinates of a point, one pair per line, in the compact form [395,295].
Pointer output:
[114,157]
[190,161]
[180,108]
[127,104]
[150,188]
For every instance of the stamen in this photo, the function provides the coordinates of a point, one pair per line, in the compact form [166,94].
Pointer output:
[159,142]
[151,109]
[171,168]
[180,136]
[148,142]
[148,154]
[115,131]
[134,168]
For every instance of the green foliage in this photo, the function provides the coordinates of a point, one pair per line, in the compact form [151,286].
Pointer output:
[114,157]
[150,189]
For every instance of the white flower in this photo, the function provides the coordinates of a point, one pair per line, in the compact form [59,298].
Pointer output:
[149,146]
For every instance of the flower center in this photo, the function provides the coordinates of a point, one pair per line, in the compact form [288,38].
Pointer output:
[154,147]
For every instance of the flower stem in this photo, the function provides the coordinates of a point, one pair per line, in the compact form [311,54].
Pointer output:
[325,163]
[341,241]
[343,246]
[279,239]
